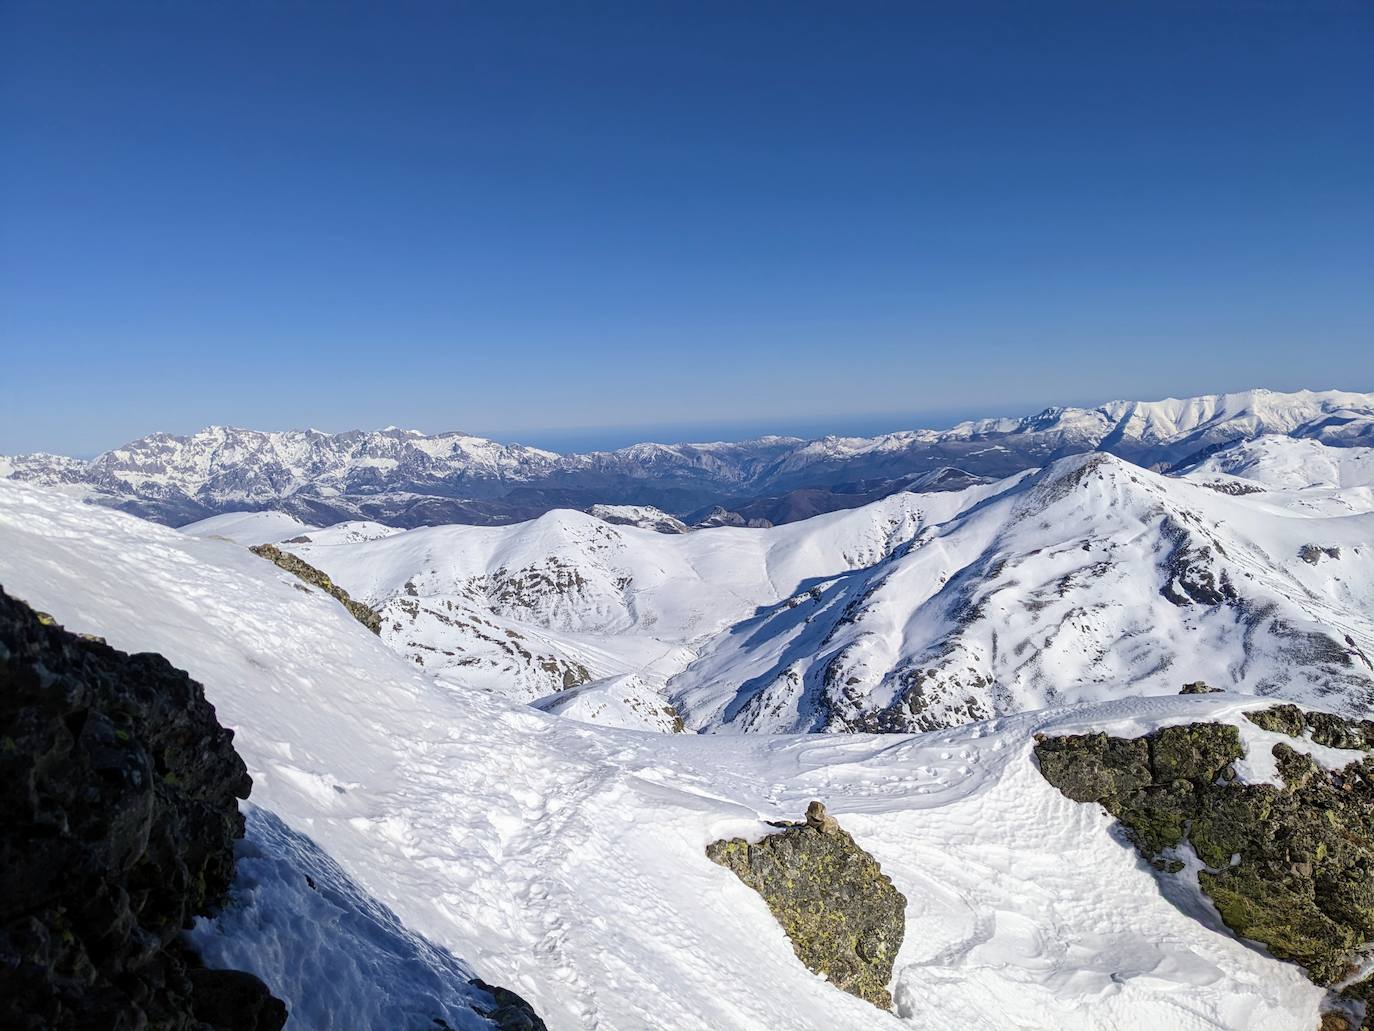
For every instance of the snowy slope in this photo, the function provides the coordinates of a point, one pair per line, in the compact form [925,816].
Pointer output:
[547,605]
[1089,579]
[248,527]
[1287,463]
[405,478]
[269,527]
[566,860]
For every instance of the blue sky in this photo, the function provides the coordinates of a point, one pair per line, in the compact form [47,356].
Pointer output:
[582,223]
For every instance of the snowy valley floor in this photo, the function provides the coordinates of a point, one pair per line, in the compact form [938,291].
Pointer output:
[565,861]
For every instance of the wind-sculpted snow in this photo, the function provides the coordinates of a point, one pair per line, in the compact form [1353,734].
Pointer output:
[567,861]
[405,478]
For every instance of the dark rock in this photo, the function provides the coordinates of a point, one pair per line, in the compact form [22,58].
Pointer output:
[1314,553]
[234,1000]
[843,915]
[118,815]
[304,570]
[1290,867]
[508,1011]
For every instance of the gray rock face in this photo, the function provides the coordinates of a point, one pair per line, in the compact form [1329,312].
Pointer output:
[118,814]
[843,915]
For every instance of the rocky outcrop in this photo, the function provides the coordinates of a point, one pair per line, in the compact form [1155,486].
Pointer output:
[1324,728]
[118,814]
[843,915]
[1290,866]
[316,578]
[1199,687]
[1314,553]
[508,1011]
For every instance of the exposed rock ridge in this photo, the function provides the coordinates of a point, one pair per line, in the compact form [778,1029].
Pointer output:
[305,571]
[1290,866]
[843,915]
[118,814]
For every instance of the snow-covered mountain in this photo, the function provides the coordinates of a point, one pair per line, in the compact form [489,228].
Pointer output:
[404,834]
[406,478]
[548,605]
[1084,580]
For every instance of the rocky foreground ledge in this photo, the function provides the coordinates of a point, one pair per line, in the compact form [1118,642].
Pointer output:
[1288,863]
[118,814]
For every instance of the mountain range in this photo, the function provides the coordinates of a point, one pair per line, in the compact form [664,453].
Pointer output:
[405,478]
[1091,577]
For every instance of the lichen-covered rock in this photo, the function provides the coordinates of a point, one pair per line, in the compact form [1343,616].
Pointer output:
[1199,687]
[1324,728]
[1291,867]
[843,915]
[303,570]
[118,813]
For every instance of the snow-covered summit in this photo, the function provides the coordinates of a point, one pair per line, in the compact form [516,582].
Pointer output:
[1084,580]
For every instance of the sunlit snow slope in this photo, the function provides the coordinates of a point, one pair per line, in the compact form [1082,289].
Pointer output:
[565,599]
[1088,580]
[566,861]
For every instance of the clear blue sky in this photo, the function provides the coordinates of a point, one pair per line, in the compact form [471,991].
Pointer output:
[586,222]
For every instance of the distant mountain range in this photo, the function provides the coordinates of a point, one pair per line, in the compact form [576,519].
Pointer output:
[405,478]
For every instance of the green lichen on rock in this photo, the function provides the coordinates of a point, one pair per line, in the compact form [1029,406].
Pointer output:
[1199,687]
[1324,728]
[316,578]
[843,915]
[1291,867]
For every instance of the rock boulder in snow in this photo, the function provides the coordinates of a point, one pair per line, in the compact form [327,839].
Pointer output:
[843,915]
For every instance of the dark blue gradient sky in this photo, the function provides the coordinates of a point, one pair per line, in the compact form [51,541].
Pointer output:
[606,221]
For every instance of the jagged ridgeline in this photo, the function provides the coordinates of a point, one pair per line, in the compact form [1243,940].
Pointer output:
[843,915]
[118,814]
[1289,864]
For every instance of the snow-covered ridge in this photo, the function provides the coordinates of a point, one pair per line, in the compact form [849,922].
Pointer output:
[406,478]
